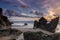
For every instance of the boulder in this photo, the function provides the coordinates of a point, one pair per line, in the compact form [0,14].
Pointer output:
[42,24]
[40,36]
[8,32]
[53,24]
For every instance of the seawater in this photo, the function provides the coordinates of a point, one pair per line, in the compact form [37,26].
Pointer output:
[30,24]
[20,24]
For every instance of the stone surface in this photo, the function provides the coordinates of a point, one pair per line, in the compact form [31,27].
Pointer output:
[35,24]
[53,24]
[8,32]
[40,36]
[42,24]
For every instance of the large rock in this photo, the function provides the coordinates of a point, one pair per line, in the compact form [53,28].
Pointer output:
[35,24]
[42,24]
[8,32]
[40,36]
[53,24]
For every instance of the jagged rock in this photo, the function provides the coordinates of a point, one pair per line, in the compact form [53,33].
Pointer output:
[7,32]
[53,24]
[42,24]
[25,24]
[40,36]
[35,24]
[15,32]
[42,20]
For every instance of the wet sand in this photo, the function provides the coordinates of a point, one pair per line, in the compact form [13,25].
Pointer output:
[34,30]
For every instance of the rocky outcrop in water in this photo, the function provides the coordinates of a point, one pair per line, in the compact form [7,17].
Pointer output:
[53,24]
[42,24]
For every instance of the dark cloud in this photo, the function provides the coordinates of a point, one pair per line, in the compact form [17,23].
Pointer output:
[16,3]
[41,5]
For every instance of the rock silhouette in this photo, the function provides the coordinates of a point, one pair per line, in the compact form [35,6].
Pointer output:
[42,24]
[53,24]
[5,27]
[35,24]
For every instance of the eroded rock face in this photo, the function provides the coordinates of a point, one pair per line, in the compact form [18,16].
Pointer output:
[8,32]
[40,36]
[35,24]
[53,24]
[42,24]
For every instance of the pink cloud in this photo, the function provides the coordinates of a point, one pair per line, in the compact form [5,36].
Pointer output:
[52,6]
[16,3]
[24,5]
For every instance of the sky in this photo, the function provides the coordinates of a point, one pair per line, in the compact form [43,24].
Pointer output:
[25,6]
[22,5]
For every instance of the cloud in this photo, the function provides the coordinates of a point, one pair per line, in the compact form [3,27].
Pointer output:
[22,2]
[15,3]
[52,6]
[36,12]
[30,15]
[49,6]
[24,14]
[24,5]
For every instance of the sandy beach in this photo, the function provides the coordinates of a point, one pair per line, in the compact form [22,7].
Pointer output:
[20,37]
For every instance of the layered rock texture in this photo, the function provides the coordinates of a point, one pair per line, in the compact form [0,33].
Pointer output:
[42,24]
[40,36]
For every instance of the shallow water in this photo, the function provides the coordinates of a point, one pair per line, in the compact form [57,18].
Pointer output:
[30,24]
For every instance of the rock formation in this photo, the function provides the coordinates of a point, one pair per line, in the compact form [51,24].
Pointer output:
[53,24]
[11,33]
[40,36]
[35,24]
[7,32]
[42,24]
